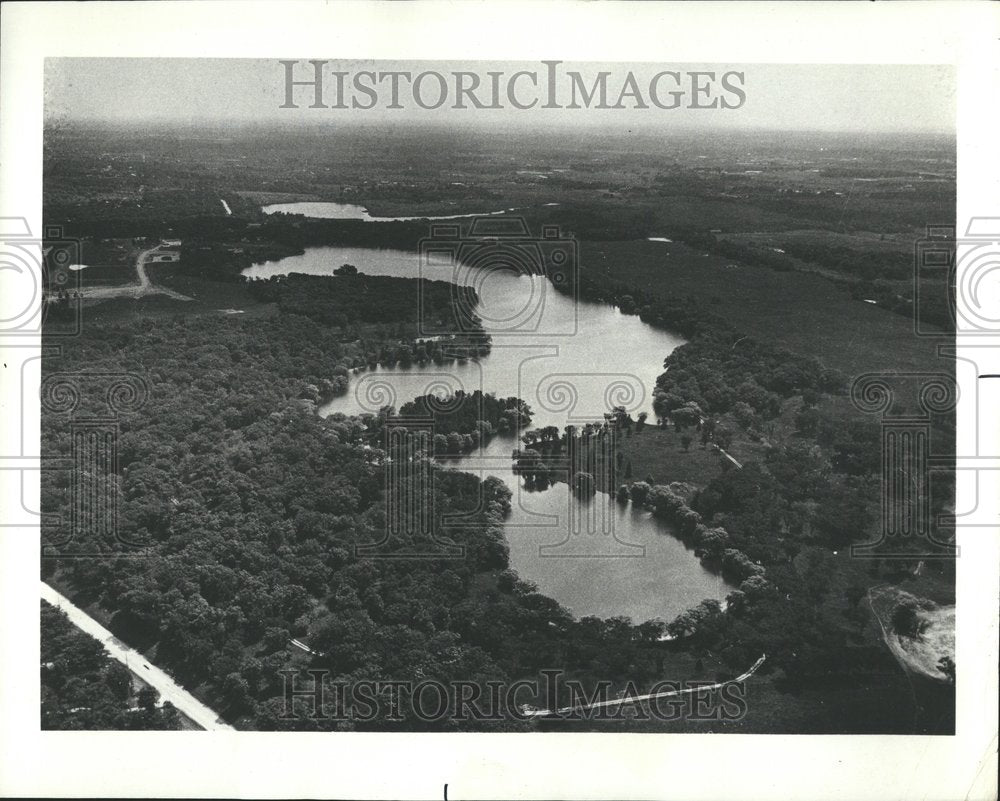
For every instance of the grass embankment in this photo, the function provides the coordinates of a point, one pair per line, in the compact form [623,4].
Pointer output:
[109,262]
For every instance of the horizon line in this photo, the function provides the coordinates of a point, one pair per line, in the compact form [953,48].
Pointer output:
[400,124]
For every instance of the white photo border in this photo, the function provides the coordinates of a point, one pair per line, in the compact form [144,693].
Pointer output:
[262,765]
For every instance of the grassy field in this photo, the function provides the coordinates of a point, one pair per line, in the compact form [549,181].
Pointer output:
[109,261]
[802,312]
[659,453]
[219,295]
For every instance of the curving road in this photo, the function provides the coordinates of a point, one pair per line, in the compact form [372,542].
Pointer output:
[144,287]
[168,689]
[634,699]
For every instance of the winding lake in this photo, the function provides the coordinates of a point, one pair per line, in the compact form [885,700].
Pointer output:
[571,361]
[324,210]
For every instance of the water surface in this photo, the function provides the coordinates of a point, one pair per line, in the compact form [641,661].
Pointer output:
[323,210]
[571,361]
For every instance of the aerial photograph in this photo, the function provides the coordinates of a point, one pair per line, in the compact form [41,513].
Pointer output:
[498,397]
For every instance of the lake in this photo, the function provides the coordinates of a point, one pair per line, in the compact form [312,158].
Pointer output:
[571,361]
[323,210]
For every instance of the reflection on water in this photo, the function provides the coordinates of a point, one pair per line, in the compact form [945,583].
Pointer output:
[594,556]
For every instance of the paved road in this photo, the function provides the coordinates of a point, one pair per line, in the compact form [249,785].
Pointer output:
[633,699]
[144,287]
[169,689]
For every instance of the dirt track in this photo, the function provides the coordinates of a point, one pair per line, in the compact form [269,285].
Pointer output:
[144,286]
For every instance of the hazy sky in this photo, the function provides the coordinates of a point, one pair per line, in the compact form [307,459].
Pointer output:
[865,98]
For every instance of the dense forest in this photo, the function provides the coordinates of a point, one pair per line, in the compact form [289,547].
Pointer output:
[716,371]
[258,521]
[84,688]
[465,420]
[436,306]
[250,509]
[247,509]
[775,525]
